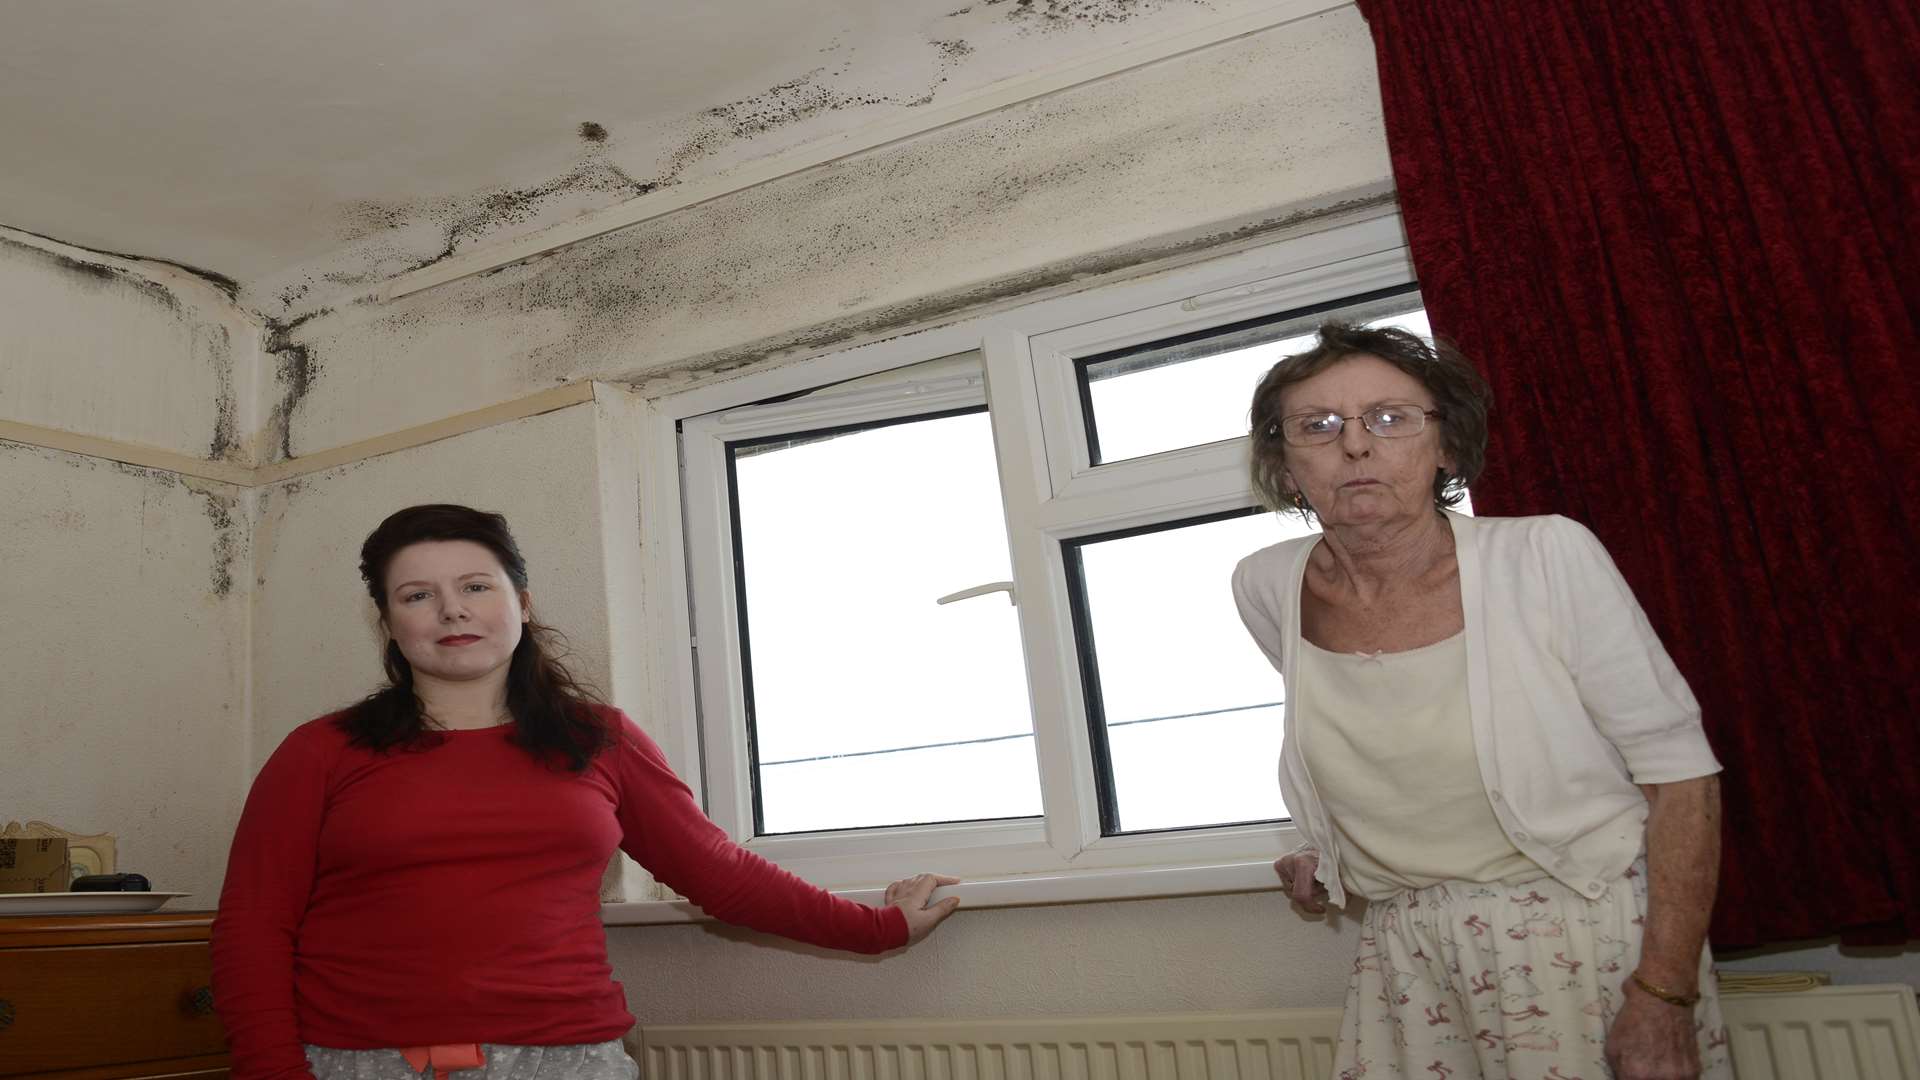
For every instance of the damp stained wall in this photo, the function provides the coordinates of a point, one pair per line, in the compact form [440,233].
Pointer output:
[1176,157]
[95,345]
[123,690]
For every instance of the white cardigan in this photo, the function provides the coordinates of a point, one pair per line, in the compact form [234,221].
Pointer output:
[1574,700]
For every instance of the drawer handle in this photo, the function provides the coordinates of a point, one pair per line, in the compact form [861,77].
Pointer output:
[198,1001]
[6,1014]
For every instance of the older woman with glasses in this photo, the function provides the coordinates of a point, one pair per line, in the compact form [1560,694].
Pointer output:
[1484,739]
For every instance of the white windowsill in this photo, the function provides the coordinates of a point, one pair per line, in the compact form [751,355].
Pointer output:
[1022,891]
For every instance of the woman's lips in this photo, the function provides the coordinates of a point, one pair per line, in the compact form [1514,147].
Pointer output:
[459,639]
[1358,483]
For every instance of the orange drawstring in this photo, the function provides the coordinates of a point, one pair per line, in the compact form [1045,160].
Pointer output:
[445,1058]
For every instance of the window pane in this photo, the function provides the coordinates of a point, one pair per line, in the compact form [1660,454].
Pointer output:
[1189,706]
[869,704]
[1196,389]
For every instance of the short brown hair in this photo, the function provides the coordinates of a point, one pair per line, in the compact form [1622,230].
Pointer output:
[1460,396]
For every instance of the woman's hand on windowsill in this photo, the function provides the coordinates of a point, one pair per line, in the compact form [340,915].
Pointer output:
[910,895]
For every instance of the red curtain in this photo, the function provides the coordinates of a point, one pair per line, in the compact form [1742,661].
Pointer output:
[1680,238]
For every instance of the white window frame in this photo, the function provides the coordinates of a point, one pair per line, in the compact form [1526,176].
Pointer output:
[1051,493]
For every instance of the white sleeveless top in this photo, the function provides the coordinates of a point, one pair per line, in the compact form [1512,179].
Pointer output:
[1388,740]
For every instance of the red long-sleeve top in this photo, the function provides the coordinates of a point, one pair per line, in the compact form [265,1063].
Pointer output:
[451,895]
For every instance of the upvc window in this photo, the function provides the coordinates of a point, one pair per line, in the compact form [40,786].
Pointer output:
[960,600]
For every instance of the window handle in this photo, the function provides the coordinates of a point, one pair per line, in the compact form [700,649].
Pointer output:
[979,590]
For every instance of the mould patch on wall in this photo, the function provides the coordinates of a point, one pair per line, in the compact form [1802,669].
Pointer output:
[226,421]
[210,338]
[521,205]
[222,504]
[95,276]
[292,293]
[89,463]
[592,132]
[219,281]
[160,477]
[228,538]
[295,370]
[908,317]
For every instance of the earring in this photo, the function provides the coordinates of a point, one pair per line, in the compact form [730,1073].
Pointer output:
[1293,493]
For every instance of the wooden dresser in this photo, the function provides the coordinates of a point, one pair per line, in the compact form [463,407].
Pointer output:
[101,997]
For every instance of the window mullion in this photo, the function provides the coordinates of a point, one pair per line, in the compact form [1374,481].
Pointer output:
[1053,685]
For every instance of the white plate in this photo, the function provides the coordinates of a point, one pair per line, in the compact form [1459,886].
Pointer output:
[82,903]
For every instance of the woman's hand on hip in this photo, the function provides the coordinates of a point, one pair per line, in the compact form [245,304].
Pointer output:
[910,895]
[1652,1040]
[1296,871]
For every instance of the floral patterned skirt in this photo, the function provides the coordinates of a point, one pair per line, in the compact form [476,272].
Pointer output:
[1460,981]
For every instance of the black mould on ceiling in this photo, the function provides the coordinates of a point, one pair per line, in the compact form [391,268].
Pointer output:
[463,219]
[1064,14]
[219,281]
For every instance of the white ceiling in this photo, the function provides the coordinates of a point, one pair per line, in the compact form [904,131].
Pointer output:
[302,147]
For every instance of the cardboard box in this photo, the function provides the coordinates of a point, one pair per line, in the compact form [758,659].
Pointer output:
[34,866]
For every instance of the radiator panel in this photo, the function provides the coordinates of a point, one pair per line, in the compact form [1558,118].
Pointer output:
[1294,1044]
[1832,1033]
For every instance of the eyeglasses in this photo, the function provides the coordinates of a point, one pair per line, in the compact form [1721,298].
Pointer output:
[1386,421]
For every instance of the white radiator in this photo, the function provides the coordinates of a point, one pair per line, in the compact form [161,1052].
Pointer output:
[1293,1044]
[1833,1033]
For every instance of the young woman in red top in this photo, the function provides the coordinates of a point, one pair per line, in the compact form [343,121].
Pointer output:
[415,879]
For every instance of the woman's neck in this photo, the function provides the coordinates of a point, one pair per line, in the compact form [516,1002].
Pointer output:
[463,706]
[1375,557]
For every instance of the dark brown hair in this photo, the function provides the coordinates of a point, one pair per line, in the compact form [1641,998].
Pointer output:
[553,712]
[1460,396]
